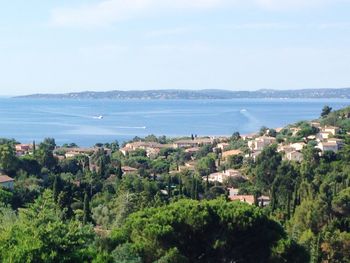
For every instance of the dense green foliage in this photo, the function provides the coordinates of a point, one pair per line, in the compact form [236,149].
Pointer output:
[212,231]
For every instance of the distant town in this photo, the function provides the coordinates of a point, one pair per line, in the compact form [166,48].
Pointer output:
[342,93]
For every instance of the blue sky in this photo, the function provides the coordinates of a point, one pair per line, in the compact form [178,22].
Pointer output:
[65,46]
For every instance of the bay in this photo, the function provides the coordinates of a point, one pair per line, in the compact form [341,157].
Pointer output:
[77,120]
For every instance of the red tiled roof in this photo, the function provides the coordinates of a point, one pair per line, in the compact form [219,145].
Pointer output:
[128,169]
[231,152]
[243,198]
[5,179]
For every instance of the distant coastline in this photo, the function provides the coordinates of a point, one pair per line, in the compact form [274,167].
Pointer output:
[341,93]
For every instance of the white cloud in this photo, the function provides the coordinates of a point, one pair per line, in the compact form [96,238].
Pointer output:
[107,12]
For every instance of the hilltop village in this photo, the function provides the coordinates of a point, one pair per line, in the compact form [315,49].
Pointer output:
[295,176]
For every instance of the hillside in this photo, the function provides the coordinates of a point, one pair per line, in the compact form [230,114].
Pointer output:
[199,94]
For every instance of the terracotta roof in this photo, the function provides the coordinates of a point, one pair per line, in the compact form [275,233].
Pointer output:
[128,169]
[243,198]
[232,152]
[329,144]
[198,141]
[5,179]
[193,149]
[146,144]
[335,140]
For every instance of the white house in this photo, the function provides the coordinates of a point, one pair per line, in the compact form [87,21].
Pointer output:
[298,146]
[331,129]
[328,146]
[259,143]
[340,142]
[223,145]
[323,135]
[233,191]
[222,176]
[294,156]
[263,200]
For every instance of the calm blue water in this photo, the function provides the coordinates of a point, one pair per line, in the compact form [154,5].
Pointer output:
[73,120]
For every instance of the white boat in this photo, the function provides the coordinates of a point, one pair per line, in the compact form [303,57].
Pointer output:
[100,117]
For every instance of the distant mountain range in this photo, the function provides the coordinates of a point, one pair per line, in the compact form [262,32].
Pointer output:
[199,94]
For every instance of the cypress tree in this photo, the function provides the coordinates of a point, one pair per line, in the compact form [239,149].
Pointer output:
[180,185]
[119,171]
[207,184]
[196,189]
[192,188]
[55,189]
[86,208]
[169,186]
[34,148]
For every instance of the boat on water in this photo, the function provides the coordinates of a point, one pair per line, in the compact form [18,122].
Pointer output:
[100,117]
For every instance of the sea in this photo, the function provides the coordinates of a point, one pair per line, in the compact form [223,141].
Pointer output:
[86,122]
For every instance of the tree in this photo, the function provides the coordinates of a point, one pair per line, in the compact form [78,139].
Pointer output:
[263,130]
[235,136]
[341,203]
[5,196]
[49,143]
[283,187]
[203,151]
[267,164]
[44,154]
[235,161]
[160,166]
[38,234]
[119,171]
[227,232]
[86,209]
[206,166]
[272,133]
[55,189]
[325,111]
[8,158]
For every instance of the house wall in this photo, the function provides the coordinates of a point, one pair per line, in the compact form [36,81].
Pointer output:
[7,184]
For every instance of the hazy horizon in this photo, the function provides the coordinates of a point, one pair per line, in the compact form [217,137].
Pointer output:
[102,45]
[238,90]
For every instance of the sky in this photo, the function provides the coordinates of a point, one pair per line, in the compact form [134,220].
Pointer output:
[99,45]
